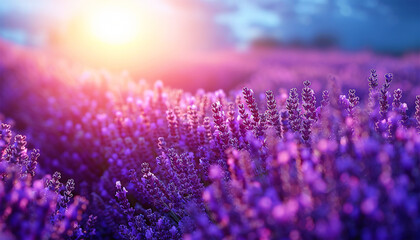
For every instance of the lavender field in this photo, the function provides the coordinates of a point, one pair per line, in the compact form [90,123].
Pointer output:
[271,143]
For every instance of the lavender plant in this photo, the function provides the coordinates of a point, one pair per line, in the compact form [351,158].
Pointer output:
[301,184]
[160,163]
[33,207]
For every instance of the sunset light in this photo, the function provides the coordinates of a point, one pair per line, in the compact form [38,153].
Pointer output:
[114,24]
[128,33]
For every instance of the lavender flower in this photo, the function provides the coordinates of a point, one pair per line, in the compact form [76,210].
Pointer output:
[383,99]
[417,114]
[309,110]
[294,111]
[31,209]
[273,113]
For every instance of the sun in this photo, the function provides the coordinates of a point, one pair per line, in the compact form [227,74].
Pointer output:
[132,34]
[114,24]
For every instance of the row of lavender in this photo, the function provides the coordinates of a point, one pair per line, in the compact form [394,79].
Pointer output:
[159,163]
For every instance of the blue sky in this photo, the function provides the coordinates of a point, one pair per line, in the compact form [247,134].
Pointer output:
[386,25]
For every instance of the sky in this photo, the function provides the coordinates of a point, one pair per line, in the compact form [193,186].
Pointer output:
[381,25]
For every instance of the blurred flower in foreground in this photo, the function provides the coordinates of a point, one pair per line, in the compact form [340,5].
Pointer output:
[32,207]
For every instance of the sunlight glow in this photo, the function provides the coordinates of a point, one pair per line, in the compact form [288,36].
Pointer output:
[114,24]
[130,34]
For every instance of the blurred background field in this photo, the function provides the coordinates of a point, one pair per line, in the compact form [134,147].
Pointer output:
[171,39]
